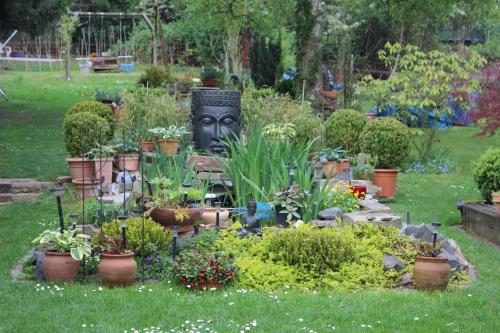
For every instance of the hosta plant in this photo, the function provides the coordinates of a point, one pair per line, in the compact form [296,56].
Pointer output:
[291,200]
[78,245]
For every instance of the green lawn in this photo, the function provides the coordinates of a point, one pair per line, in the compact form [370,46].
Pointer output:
[23,309]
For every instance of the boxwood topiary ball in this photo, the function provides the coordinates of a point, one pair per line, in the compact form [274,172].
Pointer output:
[97,108]
[343,129]
[82,132]
[388,139]
[487,173]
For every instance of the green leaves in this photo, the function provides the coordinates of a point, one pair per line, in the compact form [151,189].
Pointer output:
[78,245]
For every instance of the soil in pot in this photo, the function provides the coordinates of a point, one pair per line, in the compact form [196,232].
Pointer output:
[60,266]
[80,168]
[166,217]
[117,270]
[431,273]
[386,179]
[169,147]
[104,167]
[209,216]
[128,161]
[85,188]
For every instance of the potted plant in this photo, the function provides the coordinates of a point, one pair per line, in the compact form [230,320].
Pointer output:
[210,77]
[103,156]
[117,267]
[63,253]
[288,204]
[389,140]
[175,206]
[128,157]
[148,139]
[82,132]
[364,167]
[170,138]
[333,161]
[202,269]
[430,271]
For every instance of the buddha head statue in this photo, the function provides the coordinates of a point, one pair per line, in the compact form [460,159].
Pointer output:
[215,117]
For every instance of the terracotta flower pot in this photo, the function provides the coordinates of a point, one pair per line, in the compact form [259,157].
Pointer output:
[80,168]
[117,270]
[495,196]
[333,168]
[213,83]
[386,179]
[209,216]
[168,146]
[85,188]
[431,273]
[104,167]
[166,217]
[60,267]
[129,161]
[148,146]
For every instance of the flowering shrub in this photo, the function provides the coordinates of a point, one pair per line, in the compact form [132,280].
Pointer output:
[202,268]
[489,100]
[342,196]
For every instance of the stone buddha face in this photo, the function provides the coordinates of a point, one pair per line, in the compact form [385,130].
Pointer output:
[215,117]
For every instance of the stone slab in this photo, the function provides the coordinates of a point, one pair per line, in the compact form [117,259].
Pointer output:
[5,197]
[373,206]
[63,179]
[375,218]
[204,175]
[24,196]
[325,223]
[205,163]
[5,187]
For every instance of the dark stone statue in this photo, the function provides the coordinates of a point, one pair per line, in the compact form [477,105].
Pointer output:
[215,116]
[251,223]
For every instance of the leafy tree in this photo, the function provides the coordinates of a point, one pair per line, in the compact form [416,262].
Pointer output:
[424,80]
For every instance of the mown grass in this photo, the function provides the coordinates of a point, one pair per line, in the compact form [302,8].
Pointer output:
[430,197]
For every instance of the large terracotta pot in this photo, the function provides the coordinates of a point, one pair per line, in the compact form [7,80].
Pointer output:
[85,188]
[117,270]
[166,217]
[80,168]
[496,200]
[60,266]
[168,146]
[431,273]
[209,216]
[104,167]
[148,146]
[129,161]
[386,179]
[332,168]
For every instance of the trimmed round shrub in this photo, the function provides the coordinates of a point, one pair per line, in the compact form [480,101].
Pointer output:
[97,108]
[81,132]
[343,129]
[487,173]
[388,139]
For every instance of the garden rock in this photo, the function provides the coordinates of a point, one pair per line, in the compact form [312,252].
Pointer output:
[452,260]
[391,262]
[406,280]
[375,218]
[325,223]
[330,213]
[373,206]
[205,163]
[423,232]
[90,229]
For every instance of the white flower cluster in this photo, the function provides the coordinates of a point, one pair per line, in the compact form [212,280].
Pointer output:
[55,289]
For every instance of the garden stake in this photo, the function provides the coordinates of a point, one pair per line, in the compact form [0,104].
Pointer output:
[218,205]
[434,238]
[407,217]
[174,241]
[124,230]
[58,192]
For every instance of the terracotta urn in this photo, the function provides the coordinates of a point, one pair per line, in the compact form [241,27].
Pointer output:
[169,146]
[431,273]
[333,168]
[80,167]
[60,266]
[209,216]
[129,161]
[386,179]
[166,217]
[117,270]
[495,197]
[85,187]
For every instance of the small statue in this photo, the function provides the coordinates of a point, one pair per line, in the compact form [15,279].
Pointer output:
[251,223]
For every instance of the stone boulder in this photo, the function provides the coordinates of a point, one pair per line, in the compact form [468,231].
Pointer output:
[330,213]
[391,262]
[375,218]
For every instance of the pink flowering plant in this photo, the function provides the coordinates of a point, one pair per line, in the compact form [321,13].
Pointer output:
[197,269]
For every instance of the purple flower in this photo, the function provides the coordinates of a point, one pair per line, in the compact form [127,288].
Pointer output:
[148,258]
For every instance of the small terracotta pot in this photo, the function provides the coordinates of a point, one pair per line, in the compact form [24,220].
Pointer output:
[166,217]
[213,83]
[431,273]
[128,161]
[386,179]
[117,270]
[80,168]
[60,267]
[495,197]
[209,216]
[148,146]
[104,167]
[169,147]
[85,188]
[333,168]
